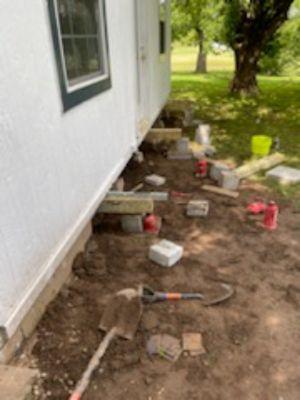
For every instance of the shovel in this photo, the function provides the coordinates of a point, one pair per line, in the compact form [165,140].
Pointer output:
[120,318]
[150,296]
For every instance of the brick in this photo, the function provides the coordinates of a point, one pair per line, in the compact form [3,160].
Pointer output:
[155,180]
[132,223]
[197,208]
[16,383]
[165,253]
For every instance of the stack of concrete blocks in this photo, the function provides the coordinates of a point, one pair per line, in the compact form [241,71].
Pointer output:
[165,253]
[182,150]
[197,208]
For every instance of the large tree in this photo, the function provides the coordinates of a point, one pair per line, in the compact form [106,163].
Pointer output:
[250,25]
[198,21]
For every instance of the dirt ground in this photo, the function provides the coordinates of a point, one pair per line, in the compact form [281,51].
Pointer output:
[252,340]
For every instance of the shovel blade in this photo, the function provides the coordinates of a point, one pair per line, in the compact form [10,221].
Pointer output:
[123,312]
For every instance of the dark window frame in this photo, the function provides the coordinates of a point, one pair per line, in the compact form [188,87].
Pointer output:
[163,28]
[75,96]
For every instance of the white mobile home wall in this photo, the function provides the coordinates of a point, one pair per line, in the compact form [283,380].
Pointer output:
[55,166]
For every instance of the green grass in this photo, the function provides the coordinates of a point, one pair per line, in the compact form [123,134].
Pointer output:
[275,112]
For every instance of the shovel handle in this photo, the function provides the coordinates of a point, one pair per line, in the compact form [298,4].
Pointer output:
[93,364]
[161,296]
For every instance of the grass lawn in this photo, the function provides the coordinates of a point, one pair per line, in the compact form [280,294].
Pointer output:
[275,112]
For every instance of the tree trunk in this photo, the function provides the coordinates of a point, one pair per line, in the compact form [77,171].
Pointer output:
[201,66]
[244,81]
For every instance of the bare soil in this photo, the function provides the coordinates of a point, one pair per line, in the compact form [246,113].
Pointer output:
[252,340]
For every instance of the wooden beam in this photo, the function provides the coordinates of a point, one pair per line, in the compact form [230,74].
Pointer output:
[157,135]
[116,204]
[155,196]
[254,166]
[221,191]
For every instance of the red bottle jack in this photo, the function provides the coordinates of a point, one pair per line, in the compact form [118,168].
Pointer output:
[271,216]
[152,224]
[201,169]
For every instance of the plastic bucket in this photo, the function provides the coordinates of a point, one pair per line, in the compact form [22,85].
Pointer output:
[261,145]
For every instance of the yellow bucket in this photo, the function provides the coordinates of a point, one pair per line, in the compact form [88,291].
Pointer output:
[261,145]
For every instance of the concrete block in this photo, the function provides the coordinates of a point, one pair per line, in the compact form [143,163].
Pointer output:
[182,145]
[216,171]
[155,180]
[229,180]
[197,208]
[132,223]
[165,253]
[16,383]
[284,175]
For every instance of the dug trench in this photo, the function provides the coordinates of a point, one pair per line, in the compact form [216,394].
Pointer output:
[251,341]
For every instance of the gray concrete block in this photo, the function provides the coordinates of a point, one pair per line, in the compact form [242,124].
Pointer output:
[197,208]
[216,170]
[155,180]
[229,180]
[182,145]
[284,175]
[132,223]
[165,253]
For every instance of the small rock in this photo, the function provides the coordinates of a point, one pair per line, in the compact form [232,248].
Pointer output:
[150,320]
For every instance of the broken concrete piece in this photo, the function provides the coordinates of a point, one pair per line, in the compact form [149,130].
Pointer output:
[221,191]
[155,180]
[16,383]
[284,175]
[138,157]
[197,208]
[216,171]
[229,180]
[132,223]
[164,345]
[116,204]
[165,253]
[193,343]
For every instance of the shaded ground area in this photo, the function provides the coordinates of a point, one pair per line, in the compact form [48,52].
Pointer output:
[252,340]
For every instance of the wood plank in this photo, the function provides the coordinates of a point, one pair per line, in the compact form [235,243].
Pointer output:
[155,196]
[254,166]
[221,191]
[157,135]
[116,204]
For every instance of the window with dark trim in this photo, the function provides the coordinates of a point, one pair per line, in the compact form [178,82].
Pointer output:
[162,26]
[81,48]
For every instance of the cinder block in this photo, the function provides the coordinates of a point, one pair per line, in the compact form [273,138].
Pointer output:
[197,208]
[165,253]
[132,223]
[182,145]
[229,180]
[216,171]
[155,180]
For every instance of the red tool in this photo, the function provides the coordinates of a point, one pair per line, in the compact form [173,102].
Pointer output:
[257,207]
[271,216]
[152,223]
[201,169]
